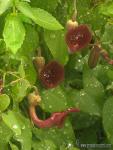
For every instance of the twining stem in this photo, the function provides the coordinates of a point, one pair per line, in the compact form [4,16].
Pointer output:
[14,8]
[10,73]
[39,52]
[4,76]
[75,10]
[13,82]
[13,74]
[105,55]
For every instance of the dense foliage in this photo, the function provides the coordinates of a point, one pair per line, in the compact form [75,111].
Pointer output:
[26,25]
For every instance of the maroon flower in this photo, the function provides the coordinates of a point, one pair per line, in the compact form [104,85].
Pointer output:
[78,38]
[56,119]
[52,74]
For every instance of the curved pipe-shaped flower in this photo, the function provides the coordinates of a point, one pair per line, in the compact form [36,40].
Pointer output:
[56,119]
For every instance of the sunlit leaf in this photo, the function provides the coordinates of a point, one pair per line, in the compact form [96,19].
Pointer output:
[4,5]
[13,146]
[19,90]
[46,20]
[4,102]
[5,135]
[14,33]
[20,127]
[30,44]
[39,16]
[107,9]
[56,43]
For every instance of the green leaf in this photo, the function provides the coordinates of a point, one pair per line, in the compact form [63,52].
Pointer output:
[89,14]
[13,146]
[106,39]
[5,135]
[20,127]
[14,123]
[19,90]
[86,103]
[25,19]
[56,43]
[14,33]
[26,0]
[44,145]
[46,20]
[93,87]
[110,74]
[4,5]
[30,44]
[39,16]
[65,134]
[2,22]
[4,102]
[70,95]
[50,5]
[108,118]
[31,74]
[25,9]
[88,135]
[101,73]
[21,70]
[84,120]
[53,100]
[2,46]
[107,9]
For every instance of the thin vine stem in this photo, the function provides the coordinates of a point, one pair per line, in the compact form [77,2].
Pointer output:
[14,8]
[13,74]
[106,57]
[13,82]
[4,77]
[75,10]
[102,52]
